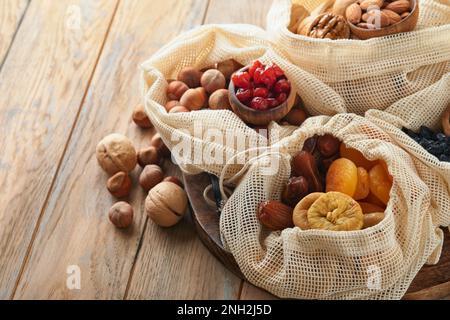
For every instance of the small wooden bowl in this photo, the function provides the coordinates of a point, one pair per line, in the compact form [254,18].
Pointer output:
[258,117]
[404,25]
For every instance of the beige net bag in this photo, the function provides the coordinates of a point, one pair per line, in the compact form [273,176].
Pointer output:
[375,73]
[375,263]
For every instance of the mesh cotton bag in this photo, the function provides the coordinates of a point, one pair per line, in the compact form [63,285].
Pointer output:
[375,73]
[201,48]
[375,263]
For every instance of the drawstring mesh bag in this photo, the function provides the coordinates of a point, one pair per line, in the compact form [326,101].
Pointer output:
[375,263]
[375,73]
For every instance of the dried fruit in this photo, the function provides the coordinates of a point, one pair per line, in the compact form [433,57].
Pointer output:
[328,145]
[372,219]
[116,153]
[308,201]
[296,117]
[228,67]
[380,183]
[148,156]
[310,144]
[300,219]
[121,215]
[166,204]
[213,80]
[356,156]
[370,207]
[329,26]
[342,177]
[176,89]
[363,185]
[304,164]
[194,99]
[337,212]
[150,176]
[140,117]
[374,200]
[190,76]
[353,13]
[275,215]
[119,185]
[296,189]
[219,100]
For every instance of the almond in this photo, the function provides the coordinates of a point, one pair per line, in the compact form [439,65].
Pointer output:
[399,6]
[405,14]
[365,17]
[353,13]
[395,17]
[371,3]
[378,19]
[365,25]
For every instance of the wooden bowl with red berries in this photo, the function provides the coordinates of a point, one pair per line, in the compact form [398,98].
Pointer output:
[261,93]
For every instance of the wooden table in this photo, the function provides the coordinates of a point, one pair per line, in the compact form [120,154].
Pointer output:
[69,76]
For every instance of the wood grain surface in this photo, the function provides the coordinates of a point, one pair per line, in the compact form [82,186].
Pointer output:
[11,13]
[43,81]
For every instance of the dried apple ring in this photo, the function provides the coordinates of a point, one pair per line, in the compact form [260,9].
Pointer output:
[342,177]
[363,185]
[300,219]
[337,212]
[380,183]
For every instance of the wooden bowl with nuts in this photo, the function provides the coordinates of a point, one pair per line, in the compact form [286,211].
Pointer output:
[377,18]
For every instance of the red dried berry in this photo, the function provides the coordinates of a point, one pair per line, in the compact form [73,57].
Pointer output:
[257,64]
[257,76]
[278,72]
[282,85]
[269,78]
[241,80]
[244,95]
[272,102]
[259,103]
[281,98]
[261,92]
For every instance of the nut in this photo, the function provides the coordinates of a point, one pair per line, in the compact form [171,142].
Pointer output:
[179,109]
[304,164]
[148,156]
[353,13]
[300,219]
[405,14]
[295,190]
[174,180]
[176,89]
[399,6]
[371,3]
[296,117]
[378,19]
[119,185]
[171,104]
[275,215]
[194,99]
[328,145]
[446,122]
[228,67]
[213,80]
[158,143]
[121,215]
[329,26]
[372,219]
[220,100]
[116,153]
[140,117]
[335,211]
[393,16]
[190,76]
[150,176]
[166,204]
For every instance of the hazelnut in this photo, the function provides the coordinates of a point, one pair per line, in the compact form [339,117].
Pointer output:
[179,109]
[140,117]
[116,153]
[296,117]
[213,80]
[194,99]
[228,67]
[148,156]
[171,104]
[176,89]
[150,176]
[220,100]
[121,215]
[158,143]
[174,180]
[166,204]
[190,76]
[119,185]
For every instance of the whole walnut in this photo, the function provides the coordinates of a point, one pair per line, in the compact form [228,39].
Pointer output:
[116,153]
[329,26]
[166,204]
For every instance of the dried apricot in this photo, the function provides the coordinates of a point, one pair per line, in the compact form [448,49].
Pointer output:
[342,177]
[362,187]
[385,167]
[370,207]
[380,183]
[335,211]
[356,156]
[371,199]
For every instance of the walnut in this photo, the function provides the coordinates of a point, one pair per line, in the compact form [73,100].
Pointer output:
[329,26]
[116,153]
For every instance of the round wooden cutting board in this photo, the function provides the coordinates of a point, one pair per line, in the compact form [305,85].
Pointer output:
[432,282]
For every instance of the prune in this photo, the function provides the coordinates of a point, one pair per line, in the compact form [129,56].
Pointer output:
[437,144]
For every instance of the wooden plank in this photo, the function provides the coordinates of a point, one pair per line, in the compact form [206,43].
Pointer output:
[250,292]
[238,11]
[75,229]
[42,84]
[11,13]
